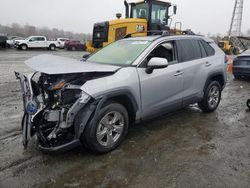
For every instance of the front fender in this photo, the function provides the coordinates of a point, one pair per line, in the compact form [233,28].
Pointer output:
[124,82]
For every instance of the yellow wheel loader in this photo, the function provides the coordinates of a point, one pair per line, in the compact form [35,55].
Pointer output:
[228,47]
[140,18]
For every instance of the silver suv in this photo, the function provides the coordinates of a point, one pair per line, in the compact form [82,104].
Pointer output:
[93,102]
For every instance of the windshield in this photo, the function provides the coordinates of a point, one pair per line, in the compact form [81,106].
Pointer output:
[28,38]
[122,52]
[140,11]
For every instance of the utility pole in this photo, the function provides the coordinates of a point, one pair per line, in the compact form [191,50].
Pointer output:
[235,27]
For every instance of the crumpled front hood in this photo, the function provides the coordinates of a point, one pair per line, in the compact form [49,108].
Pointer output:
[51,64]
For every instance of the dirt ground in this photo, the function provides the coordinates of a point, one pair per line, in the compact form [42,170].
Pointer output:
[187,148]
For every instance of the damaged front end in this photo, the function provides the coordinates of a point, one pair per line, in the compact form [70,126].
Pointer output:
[55,108]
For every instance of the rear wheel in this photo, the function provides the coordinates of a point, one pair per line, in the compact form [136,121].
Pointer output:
[104,133]
[237,77]
[73,48]
[52,47]
[212,97]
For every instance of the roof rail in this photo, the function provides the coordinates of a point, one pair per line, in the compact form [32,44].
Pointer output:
[162,33]
[153,32]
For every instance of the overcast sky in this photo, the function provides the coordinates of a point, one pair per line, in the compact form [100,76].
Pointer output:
[205,16]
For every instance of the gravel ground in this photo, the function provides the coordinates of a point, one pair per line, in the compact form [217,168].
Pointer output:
[186,148]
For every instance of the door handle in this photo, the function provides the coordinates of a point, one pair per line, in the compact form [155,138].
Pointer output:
[178,73]
[207,64]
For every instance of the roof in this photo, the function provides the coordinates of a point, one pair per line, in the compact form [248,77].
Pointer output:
[155,37]
[147,38]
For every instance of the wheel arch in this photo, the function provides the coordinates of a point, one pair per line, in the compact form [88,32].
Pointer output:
[20,45]
[216,76]
[92,108]
[126,98]
[52,44]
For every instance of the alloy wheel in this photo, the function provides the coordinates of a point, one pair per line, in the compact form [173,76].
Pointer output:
[213,96]
[110,128]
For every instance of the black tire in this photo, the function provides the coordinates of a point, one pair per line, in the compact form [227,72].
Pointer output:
[52,47]
[237,77]
[89,136]
[248,103]
[24,47]
[205,105]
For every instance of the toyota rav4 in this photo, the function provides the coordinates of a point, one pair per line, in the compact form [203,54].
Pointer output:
[93,102]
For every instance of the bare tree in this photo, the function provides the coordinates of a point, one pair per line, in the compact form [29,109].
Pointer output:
[27,30]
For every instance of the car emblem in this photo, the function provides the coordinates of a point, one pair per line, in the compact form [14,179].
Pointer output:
[31,107]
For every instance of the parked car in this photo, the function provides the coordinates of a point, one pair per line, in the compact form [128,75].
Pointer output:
[12,39]
[74,45]
[129,81]
[3,41]
[36,42]
[61,42]
[241,65]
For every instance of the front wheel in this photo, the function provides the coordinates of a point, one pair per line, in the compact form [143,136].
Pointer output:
[24,47]
[212,97]
[106,131]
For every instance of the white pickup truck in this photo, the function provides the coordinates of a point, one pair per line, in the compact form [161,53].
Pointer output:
[36,42]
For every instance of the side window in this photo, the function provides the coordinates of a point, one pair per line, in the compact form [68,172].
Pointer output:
[209,50]
[203,51]
[159,13]
[188,50]
[41,39]
[165,50]
[33,39]
[140,11]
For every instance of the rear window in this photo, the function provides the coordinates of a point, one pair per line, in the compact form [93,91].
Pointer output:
[188,50]
[209,50]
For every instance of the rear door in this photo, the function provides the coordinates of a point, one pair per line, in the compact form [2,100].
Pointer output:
[161,90]
[193,66]
[42,42]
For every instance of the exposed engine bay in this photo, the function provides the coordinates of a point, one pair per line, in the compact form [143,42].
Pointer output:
[51,103]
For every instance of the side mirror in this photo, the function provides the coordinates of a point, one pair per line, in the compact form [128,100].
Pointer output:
[175,9]
[156,63]
[85,57]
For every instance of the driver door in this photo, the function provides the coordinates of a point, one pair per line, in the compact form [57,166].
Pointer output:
[161,91]
[33,42]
